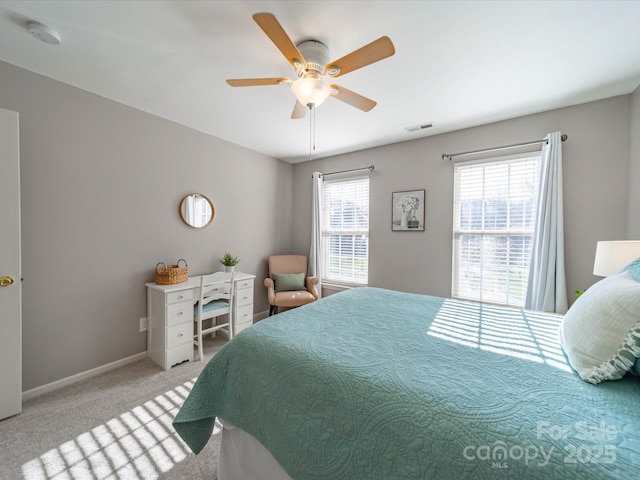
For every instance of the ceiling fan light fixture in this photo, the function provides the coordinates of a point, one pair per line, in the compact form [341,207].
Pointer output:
[310,58]
[310,91]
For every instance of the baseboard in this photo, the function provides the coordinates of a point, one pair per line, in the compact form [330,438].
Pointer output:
[49,387]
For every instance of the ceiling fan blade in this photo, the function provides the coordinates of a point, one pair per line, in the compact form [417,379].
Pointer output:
[299,111]
[371,53]
[253,82]
[270,25]
[354,99]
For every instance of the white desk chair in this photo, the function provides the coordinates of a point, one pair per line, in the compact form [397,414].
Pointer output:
[216,299]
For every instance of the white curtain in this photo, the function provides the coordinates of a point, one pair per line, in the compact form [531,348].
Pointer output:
[315,254]
[547,289]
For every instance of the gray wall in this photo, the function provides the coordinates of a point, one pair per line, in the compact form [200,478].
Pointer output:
[101,183]
[634,167]
[596,169]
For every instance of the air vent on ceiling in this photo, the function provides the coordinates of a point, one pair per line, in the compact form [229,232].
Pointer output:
[415,128]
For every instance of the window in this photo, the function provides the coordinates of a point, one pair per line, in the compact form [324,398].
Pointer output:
[345,231]
[493,224]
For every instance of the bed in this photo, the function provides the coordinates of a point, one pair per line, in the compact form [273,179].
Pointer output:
[378,384]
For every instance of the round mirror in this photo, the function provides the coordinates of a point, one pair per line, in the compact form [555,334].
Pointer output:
[196,210]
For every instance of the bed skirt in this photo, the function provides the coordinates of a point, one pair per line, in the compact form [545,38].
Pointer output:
[242,456]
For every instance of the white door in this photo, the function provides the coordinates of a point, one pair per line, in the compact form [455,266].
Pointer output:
[10,286]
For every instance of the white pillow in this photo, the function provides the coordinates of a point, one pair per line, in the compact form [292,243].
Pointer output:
[600,334]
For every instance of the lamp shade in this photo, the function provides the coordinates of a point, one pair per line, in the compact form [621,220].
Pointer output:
[310,91]
[612,256]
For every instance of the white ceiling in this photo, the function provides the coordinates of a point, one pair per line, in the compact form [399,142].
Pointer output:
[457,63]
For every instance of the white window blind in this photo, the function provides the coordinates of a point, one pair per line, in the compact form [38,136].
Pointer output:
[345,231]
[493,225]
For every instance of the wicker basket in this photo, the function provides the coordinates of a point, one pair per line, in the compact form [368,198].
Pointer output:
[172,274]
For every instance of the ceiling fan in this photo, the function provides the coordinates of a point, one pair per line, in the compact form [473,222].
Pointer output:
[310,58]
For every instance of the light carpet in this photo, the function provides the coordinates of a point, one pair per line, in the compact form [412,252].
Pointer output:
[113,426]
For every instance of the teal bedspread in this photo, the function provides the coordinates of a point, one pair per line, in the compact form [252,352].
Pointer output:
[376,384]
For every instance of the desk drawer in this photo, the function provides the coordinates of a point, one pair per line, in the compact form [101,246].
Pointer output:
[179,334]
[244,296]
[240,328]
[180,313]
[179,354]
[181,296]
[240,284]
[244,317]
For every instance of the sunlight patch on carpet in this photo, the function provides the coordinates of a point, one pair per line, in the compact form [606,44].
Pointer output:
[140,443]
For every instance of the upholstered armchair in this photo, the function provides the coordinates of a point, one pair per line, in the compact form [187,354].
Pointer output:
[288,284]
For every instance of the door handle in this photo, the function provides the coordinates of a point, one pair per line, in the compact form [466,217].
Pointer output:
[6,281]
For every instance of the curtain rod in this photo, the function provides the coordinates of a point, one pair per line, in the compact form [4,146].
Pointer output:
[449,156]
[370,168]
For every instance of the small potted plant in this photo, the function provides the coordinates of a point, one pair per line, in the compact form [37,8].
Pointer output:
[229,261]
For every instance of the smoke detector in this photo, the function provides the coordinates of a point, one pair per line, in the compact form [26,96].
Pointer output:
[44,33]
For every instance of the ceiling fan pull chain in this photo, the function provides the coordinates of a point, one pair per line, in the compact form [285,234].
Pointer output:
[313,112]
[311,142]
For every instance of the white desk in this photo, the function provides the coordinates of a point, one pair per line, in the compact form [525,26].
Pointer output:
[170,317]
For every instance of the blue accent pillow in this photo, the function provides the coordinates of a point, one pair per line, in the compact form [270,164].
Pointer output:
[286,282]
[634,268]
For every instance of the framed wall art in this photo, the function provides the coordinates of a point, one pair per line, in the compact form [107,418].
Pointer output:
[408,211]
